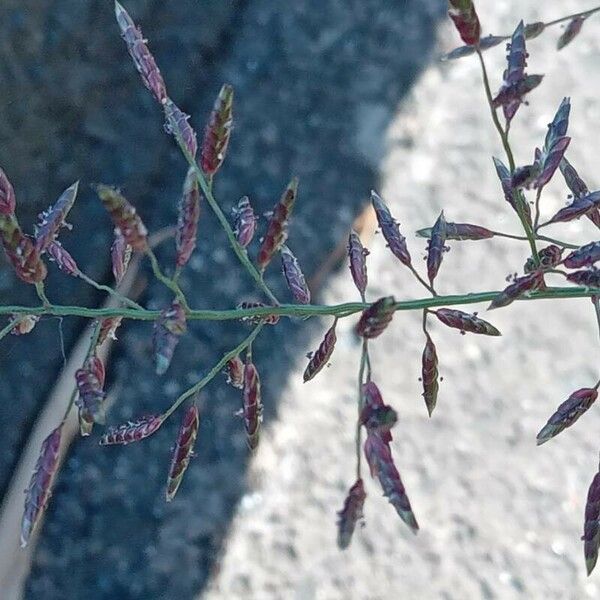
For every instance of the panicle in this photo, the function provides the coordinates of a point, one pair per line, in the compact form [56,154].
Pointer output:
[521,286]
[466,21]
[294,276]
[376,416]
[381,463]
[7,195]
[218,132]
[376,317]
[252,405]
[588,278]
[550,256]
[168,328]
[358,263]
[585,256]
[322,355]
[351,514]
[570,33]
[108,327]
[21,251]
[507,187]
[90,400]
[177,124]
[278,225]
[435,248]
[430,374]
[183,451]
[131,432]
[23,324]
[187,219]
[65,262]
[266,318]
[235,372]
[120,255]
[583,205]
[567,413]
[245,222]
[465,322]
[591,525]
[124,217]
[52,219]
[390,230]
[142,58]
[460,232]
[39,490]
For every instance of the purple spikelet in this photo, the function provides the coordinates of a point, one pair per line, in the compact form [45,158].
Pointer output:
[550,256]
[585,256]
[91,396]
[435,248]
[430,374]
[52,219]
[294,276]
[358,263]
[588,278]
[377,416]
[131,432]
[235,372]
[351,514]
[169,327]
[245,222]
[183,451]
[177,124]
[591,525]
[376,317]
[322,355]
[187,219]
[62,258]
[570,33]
[252,405]
[465,322]
[521,286]
[460,232]
[584,205]
[506,180]
[218,132]
[390,230]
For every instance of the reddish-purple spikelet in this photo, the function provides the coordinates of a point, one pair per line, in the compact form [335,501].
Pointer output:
[217,132]
[142,58]
[577,186]
[187,219]
[120,255]
[466,21]
[381,463]
[252,405]
[460,232]
[358,263]
[390,230]
[570,33]
[124,217]
[177,124]
[506,180]
[549,257]
[588,278]
[7,195]
[235,372]
[376,317]
[591,525]
[276,234]
[168,328]
[91,396]
[23,324]
[583,205]
[465,322]
[52,219]
[108,327]
[294,276]
[131,432]
[65,262]
[521,286]
[351,514]
[533,30]
[245,222]
[585,256]
[487,42]
[266,318]
[39,489]
[21,251]
[377,416]
[430,374]
[435,247]
[183,451]
[567,413]
[322,355]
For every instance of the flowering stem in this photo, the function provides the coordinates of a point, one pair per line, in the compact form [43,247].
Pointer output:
[8,328]
[364,363]
[538,237]
[537,208]
[109,290]
[39,288]
[585,13]
[422,281]
[172,285]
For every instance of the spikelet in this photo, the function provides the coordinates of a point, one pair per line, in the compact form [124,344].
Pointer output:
[266,318]
[570,33]
[507,187]
[177,124]
[533,30]
[375,415]
[23,324]
[132,431]
[358,263]
[7,195]
[21,252]
[465,322]
[168,328]
[520,287]
[435,248]
[351,514]
[183,451]
[252,405]
[487,42]
[108,327]
[578,188]
[187,219]
[567,413]
[217,132]
[466,21]
[460,232]
[294,276]
[390,230]
[584,205]
[124,217]
[278,225]
[235,372]
[430,374]
[39,490]
[52,219]
[90,400]
[591,525]
[376,317]
[322,355]
[62,258]
[588,278]
[381,463]
[245,222]
[585,256]
[142,58]
[120,255]
[550,256]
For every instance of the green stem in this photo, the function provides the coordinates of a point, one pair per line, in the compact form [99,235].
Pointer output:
[213,372]
[585,13]
[537,208]
[8,328]
[428,287]
[109,290]
[39,288]
[172,285]
[364,363]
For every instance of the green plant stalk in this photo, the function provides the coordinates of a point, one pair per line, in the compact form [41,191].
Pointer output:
[364,363]
[109,290]
[170,283]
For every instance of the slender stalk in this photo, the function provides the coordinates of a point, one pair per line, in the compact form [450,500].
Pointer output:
[596,301]
[172,285]
[422,281]
[8,328]
[585,13]
[39,288]
[246,343]
[364,364]
[109,290]
[537,208]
